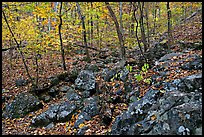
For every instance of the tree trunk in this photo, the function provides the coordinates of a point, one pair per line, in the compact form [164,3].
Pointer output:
[155,16]
[136,32]
[84,31]
[37,71]
[18,46]
[141,7]
[121,15]
[88,25]
[120,35]
[60,36]
[147,23]
[169,26]
[91,25]
[98,33]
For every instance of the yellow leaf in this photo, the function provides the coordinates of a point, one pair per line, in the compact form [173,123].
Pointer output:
[81,125]
[139,125]
[153,117]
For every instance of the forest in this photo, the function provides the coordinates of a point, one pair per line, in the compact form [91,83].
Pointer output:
[101,68]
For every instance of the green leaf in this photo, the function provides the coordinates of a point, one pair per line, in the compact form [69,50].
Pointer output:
[143,68]
[148,80]
[138,77]
[130,68]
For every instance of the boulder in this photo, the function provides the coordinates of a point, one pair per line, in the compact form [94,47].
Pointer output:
[45,98]
[108,74]
[92,67]
[195,63]
[53,92]
[20,82]
[124,74]
[169,56]
[82,130]
[23,104]
[89,110]
[54,80]
[56,113]
[176,110]
[64,89]
[72,95]
[85,80]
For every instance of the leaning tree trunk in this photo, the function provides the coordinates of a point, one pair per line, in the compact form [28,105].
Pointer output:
[18,46]
[120,35]
[136,30]
[60,35]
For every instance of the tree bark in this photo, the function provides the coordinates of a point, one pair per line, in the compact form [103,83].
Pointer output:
[84,31]
[91,25]
[120,35]
[155,16]
[121,16]
[60,36]
[141,7]
[18,46]
[147,23]
[136,34]
[169,26]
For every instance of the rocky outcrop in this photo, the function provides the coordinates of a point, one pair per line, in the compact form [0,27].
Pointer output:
[22,104]
[177,109]
[89,110]
[56,113]
[85,80]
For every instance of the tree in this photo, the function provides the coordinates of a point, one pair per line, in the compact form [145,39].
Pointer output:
[84,31]
[18,46]
[141,7]
[147,22]
[136,30]
[60,35]
[169,26]
[120,35]
[121,16]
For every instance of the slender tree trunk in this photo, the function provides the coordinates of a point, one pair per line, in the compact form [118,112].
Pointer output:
[11,53]
[91,25]
[169,26]
[141,7]
[121,16]
[147,23]
[18,46]
[60,36]
[155,16]
[120,35]
[37,71]
[98,33]
[84,32]
[132,24]
[106,30]
[88,25]
[136,32]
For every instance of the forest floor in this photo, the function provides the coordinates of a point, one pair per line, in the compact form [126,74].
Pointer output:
[49,65]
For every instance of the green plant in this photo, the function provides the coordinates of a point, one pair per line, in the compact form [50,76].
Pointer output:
[148,80]
[116,76]
[139,77]
[128,67]
[145,68]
